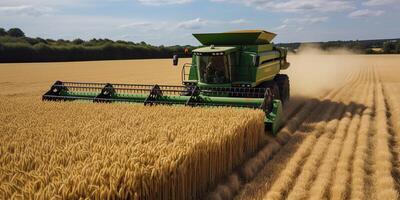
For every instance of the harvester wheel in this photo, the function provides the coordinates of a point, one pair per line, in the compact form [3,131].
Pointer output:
[275,91]
[284,87]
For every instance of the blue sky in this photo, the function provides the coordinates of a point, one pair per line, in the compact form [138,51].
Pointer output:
[170,22]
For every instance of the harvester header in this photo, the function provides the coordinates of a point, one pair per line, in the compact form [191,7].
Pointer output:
[235,69]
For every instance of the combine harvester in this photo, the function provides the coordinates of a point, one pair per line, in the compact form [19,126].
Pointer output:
[235,69]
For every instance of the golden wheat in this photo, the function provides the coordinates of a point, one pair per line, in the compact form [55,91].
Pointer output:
[324,176]
[393,98]
[360,154]
[340,186]
[269,150]
[270,172]
[285,180]
[282,185]
[310,166]
[74,150]
[384,182]
[307,174]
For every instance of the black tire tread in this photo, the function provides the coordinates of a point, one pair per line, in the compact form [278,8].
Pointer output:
[284,86]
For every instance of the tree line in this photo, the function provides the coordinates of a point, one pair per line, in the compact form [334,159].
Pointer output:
[16,47]
[384,46]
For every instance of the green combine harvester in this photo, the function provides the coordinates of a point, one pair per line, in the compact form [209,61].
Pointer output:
[234,69]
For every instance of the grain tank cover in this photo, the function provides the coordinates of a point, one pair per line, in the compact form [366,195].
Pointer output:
[245,37]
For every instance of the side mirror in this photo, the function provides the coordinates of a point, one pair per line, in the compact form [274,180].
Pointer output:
[256,60]
[175,60]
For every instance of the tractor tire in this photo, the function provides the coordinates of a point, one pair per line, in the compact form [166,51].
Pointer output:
[284,87]
[275,91]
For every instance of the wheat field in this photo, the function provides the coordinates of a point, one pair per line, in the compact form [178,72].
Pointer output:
[73,150]
[341,138]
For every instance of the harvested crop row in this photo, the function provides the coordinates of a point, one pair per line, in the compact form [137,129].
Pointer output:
[227,189]
[287,177]
[359,165]
[393,98]
[294,117]
[270,149]
[340,187]
[282,185]
[323,179]
[268,175]
[308,174]
[384,183]
[73,150]
[292,108]
[391,92]
[305,121]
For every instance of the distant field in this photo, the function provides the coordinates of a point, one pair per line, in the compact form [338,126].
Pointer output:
[36,78]
[341,139]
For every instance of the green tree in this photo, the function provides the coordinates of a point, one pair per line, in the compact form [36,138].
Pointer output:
[62,41]
[50,41]
[389,47]
[398,47]
[78,41]
[3,32]
[15,32]
[32,41]
[41,40]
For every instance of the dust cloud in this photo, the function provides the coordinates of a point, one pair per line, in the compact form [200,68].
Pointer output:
[313,71]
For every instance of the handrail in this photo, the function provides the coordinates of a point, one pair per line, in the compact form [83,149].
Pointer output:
[183,73]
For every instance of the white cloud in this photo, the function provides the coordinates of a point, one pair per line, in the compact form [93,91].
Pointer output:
[281,27]
[136,25]
[199,23]
[163,2]
[193,24]
[45,3]
[144,27]
[305,20]
[381,2]
[240,22]
[25,10]
[298,24]
[299,29]
[176,30]
[297,5]
[366,13]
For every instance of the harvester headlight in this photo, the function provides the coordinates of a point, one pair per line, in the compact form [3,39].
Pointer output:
[218,54]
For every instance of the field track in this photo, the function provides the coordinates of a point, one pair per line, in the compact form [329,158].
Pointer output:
[343,145]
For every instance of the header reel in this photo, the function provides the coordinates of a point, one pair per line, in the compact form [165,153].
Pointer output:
[253,98]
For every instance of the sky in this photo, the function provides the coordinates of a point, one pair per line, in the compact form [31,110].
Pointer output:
[171,22]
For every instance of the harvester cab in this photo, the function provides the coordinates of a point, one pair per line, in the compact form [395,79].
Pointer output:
[235,69]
